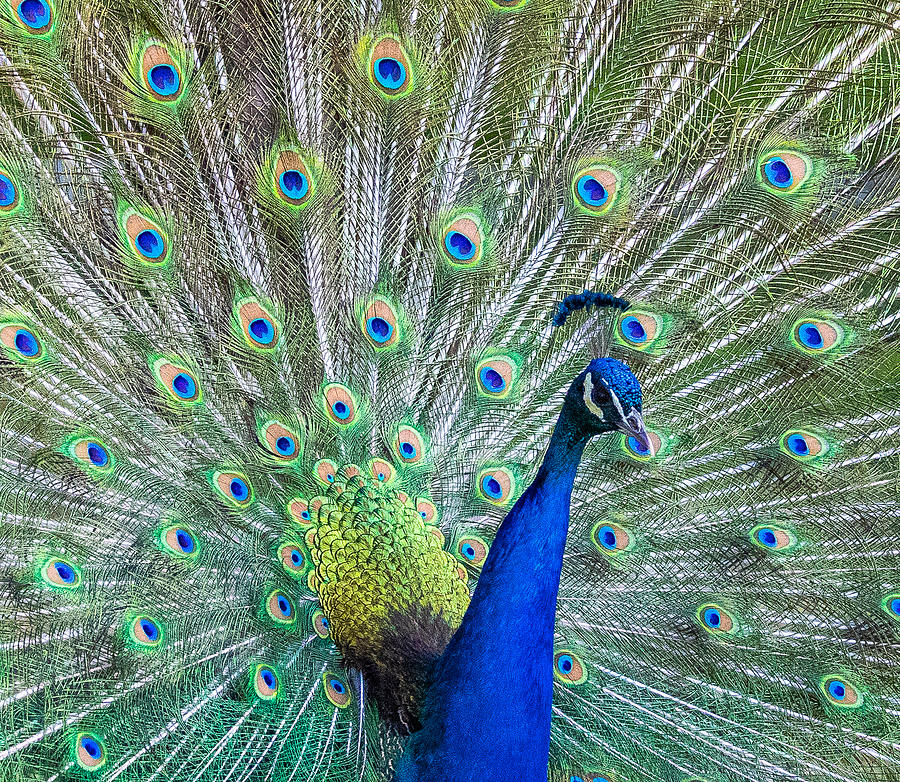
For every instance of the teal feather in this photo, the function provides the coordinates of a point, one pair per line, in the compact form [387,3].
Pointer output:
[678,111]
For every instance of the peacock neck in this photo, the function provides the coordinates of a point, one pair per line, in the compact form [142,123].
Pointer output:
[492,693]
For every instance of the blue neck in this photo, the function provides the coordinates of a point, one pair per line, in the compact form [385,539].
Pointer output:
[487,715]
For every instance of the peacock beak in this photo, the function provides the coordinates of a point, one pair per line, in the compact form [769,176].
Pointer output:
[633,425]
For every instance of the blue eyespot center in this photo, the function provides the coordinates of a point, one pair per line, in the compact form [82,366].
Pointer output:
[284,605]
[591,191]
[810,336]
[637,446]
[324,621]
[150,243]
[778,173]
[296,557]
[492,380]
[34,13]
[767,538]
[285,445]
[837,690]
[408,450]
[26,343]
[184,386]
[238,489]
[379,329]
[329,478]
[150,630]
[337,686]
[262,330]
[798,445]
[492,487]
[606,535]
[390,73]
[565,663]
[91,746]
[459,246]
[468,551]
[65,572]
[294,184]
[268,678]
[185,541]
[341,410]
[895,606]
[305,515]
[97,454]
[164,79]
[633,330]
[7,191]
[712,617]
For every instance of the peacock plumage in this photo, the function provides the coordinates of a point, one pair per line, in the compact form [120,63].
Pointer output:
[317,464]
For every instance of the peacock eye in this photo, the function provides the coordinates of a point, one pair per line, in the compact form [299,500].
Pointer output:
[335,689]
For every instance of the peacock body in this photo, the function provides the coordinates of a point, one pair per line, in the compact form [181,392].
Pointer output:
[281,351]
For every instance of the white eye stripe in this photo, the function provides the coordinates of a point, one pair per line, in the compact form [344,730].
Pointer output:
[588,400]
[615,399]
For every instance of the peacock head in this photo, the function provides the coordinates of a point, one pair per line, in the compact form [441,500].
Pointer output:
[606,397]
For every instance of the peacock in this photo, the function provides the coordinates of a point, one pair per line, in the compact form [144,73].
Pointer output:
[463,391]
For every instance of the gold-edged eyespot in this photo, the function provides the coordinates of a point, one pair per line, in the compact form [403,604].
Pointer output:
[389,68]
[380,324]
[594,189]
[280,441]
[496,485]
[336,689]
[639,329]
[715,619]
[840,692]
[802,445]
[472,550]
[36,16]
[427,510]
[611,538]
[90,754]
[568,667]
[339,404]
[772,538]
[495,376]
[326,472]
[637,450]
[462,241]
[9,193]
[21,341]
[147,240]
[321,624]
[281,608]
[816,336]
[293,559]
[265,682]
[145,631]
[178,381]
[260,328]
[162,76]
[381,470]
[234,487]
[298,508]
[782,172]
[509,5]
[409,445]
[891,604]
[294,182]
[92,453]
[180,541]
[60,573]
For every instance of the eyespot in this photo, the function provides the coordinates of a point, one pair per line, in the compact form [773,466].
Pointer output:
[265,682]
[180,541]
[92,454]
[234,487]
[816,336]
[594,189]
[293,181]
[36,16]
[389,68]
[568,668]
[496,485]
[22,342]
[472,550]
[840,692]
[507,5]
[772,538]
[427,510]
[637,450]
[380,324]
[782,172]
[178,381]
[339,404]
[9,193]
[293,559]
[90,753]
[381,470]
[145,631]
[62,574]
[409,445]
[495,376]
[802,445]
[715,619]
[298,508]
[147,240]
[338,692]
[162,77]
[639,329]
[891,604]
[259,327]
[280,441]
[610,538]
[280,607]
[326,471]
[462,241]
[321,625]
